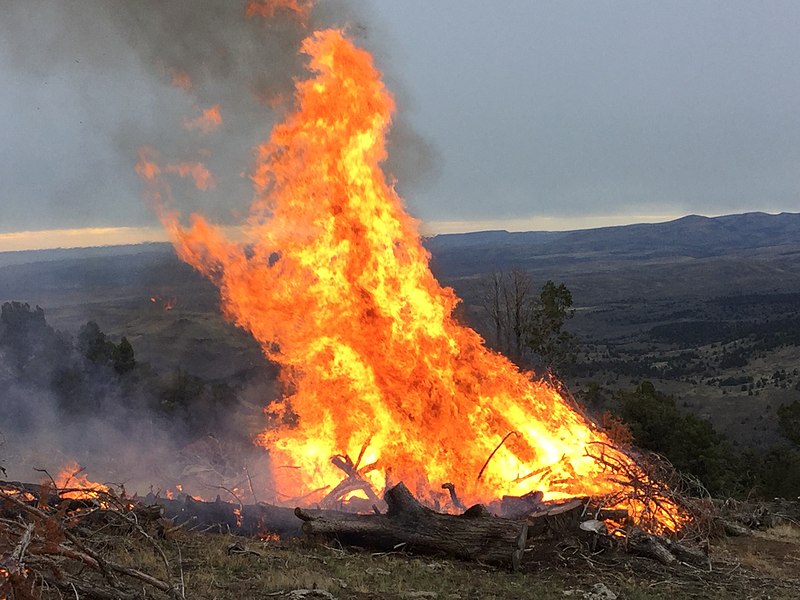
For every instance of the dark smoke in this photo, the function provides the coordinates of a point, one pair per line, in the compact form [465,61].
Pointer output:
[244,65]
[116,58]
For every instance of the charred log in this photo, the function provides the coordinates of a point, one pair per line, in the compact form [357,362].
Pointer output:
[474,536]
[665,551]
[517,507]
[558,520]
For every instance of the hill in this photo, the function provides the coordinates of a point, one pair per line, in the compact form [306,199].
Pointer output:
[693,304]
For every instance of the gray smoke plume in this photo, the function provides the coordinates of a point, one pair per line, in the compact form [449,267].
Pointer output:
[65,400]
[111,66]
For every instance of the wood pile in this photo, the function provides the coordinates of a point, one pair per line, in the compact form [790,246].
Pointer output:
[46,541]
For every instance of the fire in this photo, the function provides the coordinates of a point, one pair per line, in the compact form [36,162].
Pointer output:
[207,122]
[74,484]
[269,8]
[334,283]
[166,303]
[149,169]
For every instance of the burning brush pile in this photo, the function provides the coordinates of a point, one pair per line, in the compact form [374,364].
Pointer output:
[391,406]
[70,536]
[54,540]
[333,282]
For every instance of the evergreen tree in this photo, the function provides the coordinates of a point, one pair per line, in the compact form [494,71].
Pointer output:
[123,356]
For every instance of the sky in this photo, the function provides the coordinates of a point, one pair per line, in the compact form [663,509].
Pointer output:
[521,115]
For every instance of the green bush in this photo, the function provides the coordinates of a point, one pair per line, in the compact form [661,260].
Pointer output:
[691,444]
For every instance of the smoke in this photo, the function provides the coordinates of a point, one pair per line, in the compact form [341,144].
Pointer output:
[114,76]
[63,402]
[137,72]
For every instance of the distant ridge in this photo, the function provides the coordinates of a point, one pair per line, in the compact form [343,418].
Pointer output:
[692,235]
[19,257]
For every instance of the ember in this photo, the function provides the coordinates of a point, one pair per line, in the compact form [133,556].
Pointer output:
[334,283]
[72,482]
[207,122]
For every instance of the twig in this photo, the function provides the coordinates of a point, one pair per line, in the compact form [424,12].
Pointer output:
[50,477]
[250,483]
[503,441]
[85,555]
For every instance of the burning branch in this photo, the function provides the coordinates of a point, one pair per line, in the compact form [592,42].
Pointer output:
[354,481]
[649,486]
[503,441]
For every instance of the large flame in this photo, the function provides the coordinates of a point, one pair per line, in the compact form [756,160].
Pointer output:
[334,283]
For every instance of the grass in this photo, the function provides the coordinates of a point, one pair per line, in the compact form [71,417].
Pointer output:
[224,567]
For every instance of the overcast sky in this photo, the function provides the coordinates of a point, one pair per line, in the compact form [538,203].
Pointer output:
[520,114]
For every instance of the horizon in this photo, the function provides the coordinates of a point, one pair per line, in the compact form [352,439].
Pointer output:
[625,112]
[98,237]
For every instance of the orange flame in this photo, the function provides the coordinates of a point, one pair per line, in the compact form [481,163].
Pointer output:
[334,283]
[269,8]
[180,79]
[207,122]
[202,177]
[73,478]
[150,170]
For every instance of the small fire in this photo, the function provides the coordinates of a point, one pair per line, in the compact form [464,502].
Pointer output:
[73,483]
[166,303]
[334,283]
[269,8]
[148,168]
[208,122]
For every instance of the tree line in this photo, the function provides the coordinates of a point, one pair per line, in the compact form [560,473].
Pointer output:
[529,326]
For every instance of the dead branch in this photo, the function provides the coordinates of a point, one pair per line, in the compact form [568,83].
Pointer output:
[47,544]
[354,481]
[503,441]
[450,487]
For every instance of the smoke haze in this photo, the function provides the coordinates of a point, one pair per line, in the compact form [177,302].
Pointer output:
[121,75]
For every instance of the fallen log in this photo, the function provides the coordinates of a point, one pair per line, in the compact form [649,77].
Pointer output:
[663,550]
[408,525]
[516,507]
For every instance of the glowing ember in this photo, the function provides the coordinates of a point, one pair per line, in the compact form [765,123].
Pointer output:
[269,8]
[149,169]
[74,484]
[181,80]
[208,122]
[334,283]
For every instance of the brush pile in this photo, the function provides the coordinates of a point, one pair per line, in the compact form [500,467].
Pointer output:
[67,540]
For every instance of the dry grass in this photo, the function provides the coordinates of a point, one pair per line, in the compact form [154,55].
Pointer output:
[773,553]
[224,567]
[789,532]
